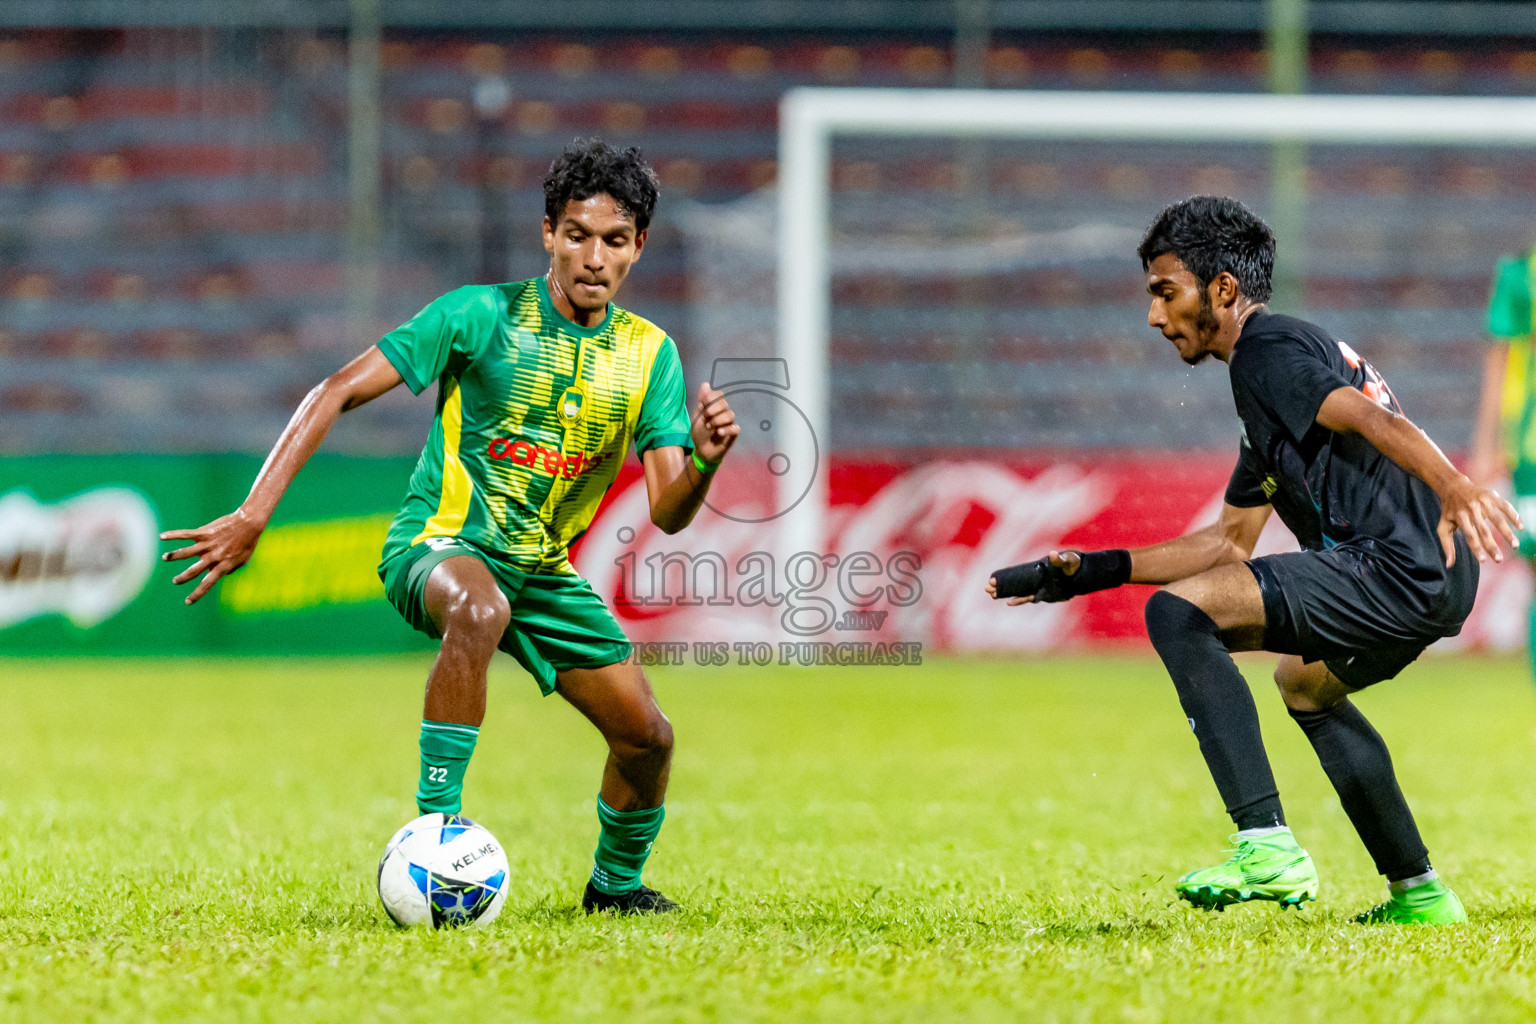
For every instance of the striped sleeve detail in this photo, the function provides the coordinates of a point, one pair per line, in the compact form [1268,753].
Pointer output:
[457,489]
[650,339]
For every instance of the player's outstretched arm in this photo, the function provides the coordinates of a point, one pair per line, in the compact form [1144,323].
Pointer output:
[1478,512]
[675,482]
[1061,575]
[226,544]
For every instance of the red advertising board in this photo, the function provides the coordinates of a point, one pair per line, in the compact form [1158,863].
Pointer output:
[912,541]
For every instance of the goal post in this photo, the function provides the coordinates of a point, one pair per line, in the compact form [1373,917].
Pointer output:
[810,118]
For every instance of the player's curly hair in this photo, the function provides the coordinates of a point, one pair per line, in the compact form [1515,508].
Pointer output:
[590,167]
[1211,234]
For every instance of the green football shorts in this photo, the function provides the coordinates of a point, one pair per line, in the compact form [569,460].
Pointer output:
[558,622]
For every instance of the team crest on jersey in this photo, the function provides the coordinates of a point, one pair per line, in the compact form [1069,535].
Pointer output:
[572,403]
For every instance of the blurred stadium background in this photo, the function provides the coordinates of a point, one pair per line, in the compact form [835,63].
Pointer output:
[206,207]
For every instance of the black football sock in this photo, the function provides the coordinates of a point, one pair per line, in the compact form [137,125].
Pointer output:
[1220,709]
[1355,758]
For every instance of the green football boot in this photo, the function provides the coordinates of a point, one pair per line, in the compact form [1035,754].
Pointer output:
[1270,867]
[1430,903]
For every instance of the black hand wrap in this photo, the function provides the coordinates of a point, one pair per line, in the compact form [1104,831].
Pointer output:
[1097,570]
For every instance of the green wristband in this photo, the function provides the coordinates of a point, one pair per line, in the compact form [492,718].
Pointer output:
[703,467]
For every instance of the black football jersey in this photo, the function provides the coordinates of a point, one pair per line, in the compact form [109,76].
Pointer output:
[1329,489]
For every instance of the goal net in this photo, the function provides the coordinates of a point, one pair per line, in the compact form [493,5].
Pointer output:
[949,281]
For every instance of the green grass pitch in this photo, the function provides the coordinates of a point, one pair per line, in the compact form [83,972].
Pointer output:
[968,840]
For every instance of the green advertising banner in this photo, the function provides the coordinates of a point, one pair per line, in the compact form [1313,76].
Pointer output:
[80,569]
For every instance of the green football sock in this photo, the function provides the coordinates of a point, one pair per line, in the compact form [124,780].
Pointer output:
[445,751]
[623,844]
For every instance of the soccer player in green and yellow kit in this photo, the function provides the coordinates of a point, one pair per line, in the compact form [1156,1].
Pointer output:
[542,387]
[1504,440]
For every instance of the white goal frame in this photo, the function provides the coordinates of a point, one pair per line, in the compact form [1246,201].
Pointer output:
[810,117]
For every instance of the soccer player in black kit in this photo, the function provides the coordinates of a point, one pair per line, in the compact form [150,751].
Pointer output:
[1391,534]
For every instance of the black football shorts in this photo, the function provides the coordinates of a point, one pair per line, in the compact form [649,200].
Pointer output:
[1358,613]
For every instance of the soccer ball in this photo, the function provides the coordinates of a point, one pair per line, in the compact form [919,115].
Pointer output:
[443,868]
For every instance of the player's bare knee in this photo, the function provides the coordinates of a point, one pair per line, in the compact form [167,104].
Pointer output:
[1304,686]
[655,734]
[478,617]
[645,736]
[1286,679]
[659,735]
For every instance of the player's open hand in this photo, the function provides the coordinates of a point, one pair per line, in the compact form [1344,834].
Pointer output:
[220,548]
[1485,518]
[714,425]
[1031,581]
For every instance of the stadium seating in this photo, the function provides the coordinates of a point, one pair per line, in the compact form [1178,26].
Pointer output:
[174,210]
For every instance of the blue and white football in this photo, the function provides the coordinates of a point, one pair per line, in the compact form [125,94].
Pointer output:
[444,869]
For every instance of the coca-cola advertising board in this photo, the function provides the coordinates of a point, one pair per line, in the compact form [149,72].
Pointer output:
[910,544]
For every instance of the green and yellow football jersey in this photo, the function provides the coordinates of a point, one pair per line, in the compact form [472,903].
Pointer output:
[534,417]
[1510,320]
